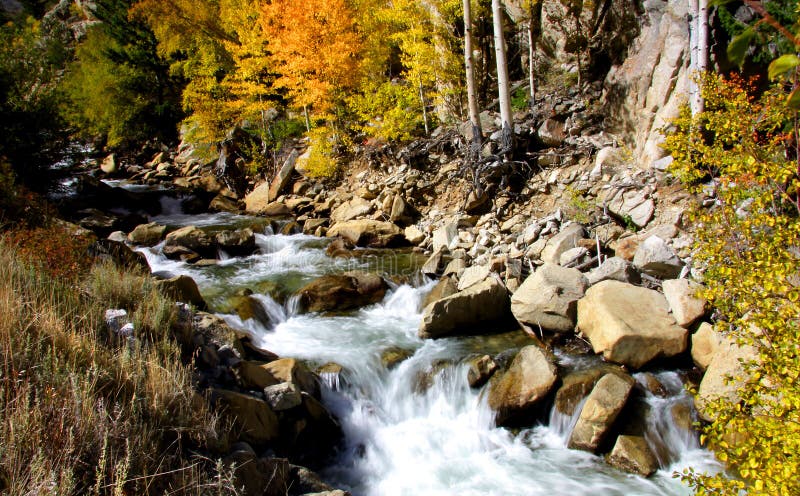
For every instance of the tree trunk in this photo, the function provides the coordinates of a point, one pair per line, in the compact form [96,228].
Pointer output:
[534,32]
[424,108]
[695,98]
[469,64]
[502,68]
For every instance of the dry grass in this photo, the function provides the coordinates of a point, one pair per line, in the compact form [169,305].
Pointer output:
[81,413]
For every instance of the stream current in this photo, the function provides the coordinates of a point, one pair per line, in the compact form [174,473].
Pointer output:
[416,428]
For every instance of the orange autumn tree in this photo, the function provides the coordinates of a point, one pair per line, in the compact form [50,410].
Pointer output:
[315,47]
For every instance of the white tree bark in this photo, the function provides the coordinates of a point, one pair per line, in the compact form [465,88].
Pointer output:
[531,55]
[698,43]
[469,64]
[502,67]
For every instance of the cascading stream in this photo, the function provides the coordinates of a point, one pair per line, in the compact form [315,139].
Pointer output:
[418,428]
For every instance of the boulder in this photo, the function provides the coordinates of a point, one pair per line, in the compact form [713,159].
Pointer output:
[529,379]
[414,235]
[631,205]
[194,239]
[283,396]
[656,258]
[472,275]
[602,406]
[281,180]
[724,375]
[120,254]
[455,268]
[686,307]
[444,288]
[258,476]
[628,324]
[254,375]
[109,164]
[401,213]
[466,312]
[256,201]
[431,266]
[147,234]
[256,420]
[480,370]
[222,203]
[349,210]
[566,239]
[633,454]
[372,233]
[306,482]
[99,222]
[705,342]
[614,268]
[577,385]
[342,292]
[444,236]
[291,370]
[548,298]
[551,133]
[182,288]
[240,242]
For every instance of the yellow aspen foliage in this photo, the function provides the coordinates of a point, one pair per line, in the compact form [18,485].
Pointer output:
[741,151]
[315,48]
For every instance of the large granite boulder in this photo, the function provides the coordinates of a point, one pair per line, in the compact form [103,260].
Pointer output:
[685,305]
[194,239]
[576,385]
[351,209]
[256,201]
[258,423]
[147,234]
[605,402]
[281,180]
[342,292]
[371,233]
[239,242]
[182,288]
[633,454]
[724,375]
[566,239]
[629,325]
[705,342]
[656,258]
[517,392]
[466,312]
[549,298]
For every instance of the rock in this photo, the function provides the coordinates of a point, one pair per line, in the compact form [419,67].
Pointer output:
[256,202]
[614,268]
[393,356]
[254,375]
[633,454]
[238,243]
[194,239]
[305,482]
[480,370]
[401,212]
[98,222]
[577,385]
[311,225]
[625,248]
[181,253]
[455,268]
[109,164]
[716,383]
[371,233]
[258,423]
[290,370]
[705,342]
[685,306]
[349,210]
[567,238]
[628,324]
[222,203]
[655,257]
[147,234]
[443,237]
[283,396]
[444,288]
[414,235]
[607,158]
[467,311]
[431,266]
[551,133]
[275,209]
[531,376]
[478,204]
[258,476]
[116,320]
[342,292]
[182,288]
[120,254]
[472,275]
[281,180]
[117,236]
[604,403]
[572,257]
[548,298]
[632,205]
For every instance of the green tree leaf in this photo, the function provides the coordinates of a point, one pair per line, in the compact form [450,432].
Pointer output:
[782,65]
[737,49]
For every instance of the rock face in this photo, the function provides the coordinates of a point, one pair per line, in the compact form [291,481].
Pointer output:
[281,180]
[528,380]
[633,454]
[685,306]
[182,288]
[629,325]
[257,200]
[109,164]
[601,409]
[466,311]
[342,292]
[725,363]
[655,257]
[548,298]
[147,234]
[372,233]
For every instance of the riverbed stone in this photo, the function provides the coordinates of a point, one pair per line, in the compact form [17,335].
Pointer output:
[566,239]
[530,378]
[445,235]
[292,370]
[602,406]
[629,325]
[632,205]
[182,288]
[576,385]
[342,292]
[480,370]
[258,423]
[548,298]
[239,242]
[257,201]
[147,234]
[466,312]
[705,342]
[281,180]
[283,396]
[444,288]
[633,454]
[352,209]
[685,305]
[367,232]
[472,275]
[194,239]
[254,375]
[414,235]
[615,268]
[719,380]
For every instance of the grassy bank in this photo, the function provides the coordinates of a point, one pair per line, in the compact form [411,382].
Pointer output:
[85,412]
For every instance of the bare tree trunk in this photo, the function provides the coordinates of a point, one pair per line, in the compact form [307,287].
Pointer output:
[502,68]
[469,64]
[424,108]
[695,99]
[534,31]
[702,47]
